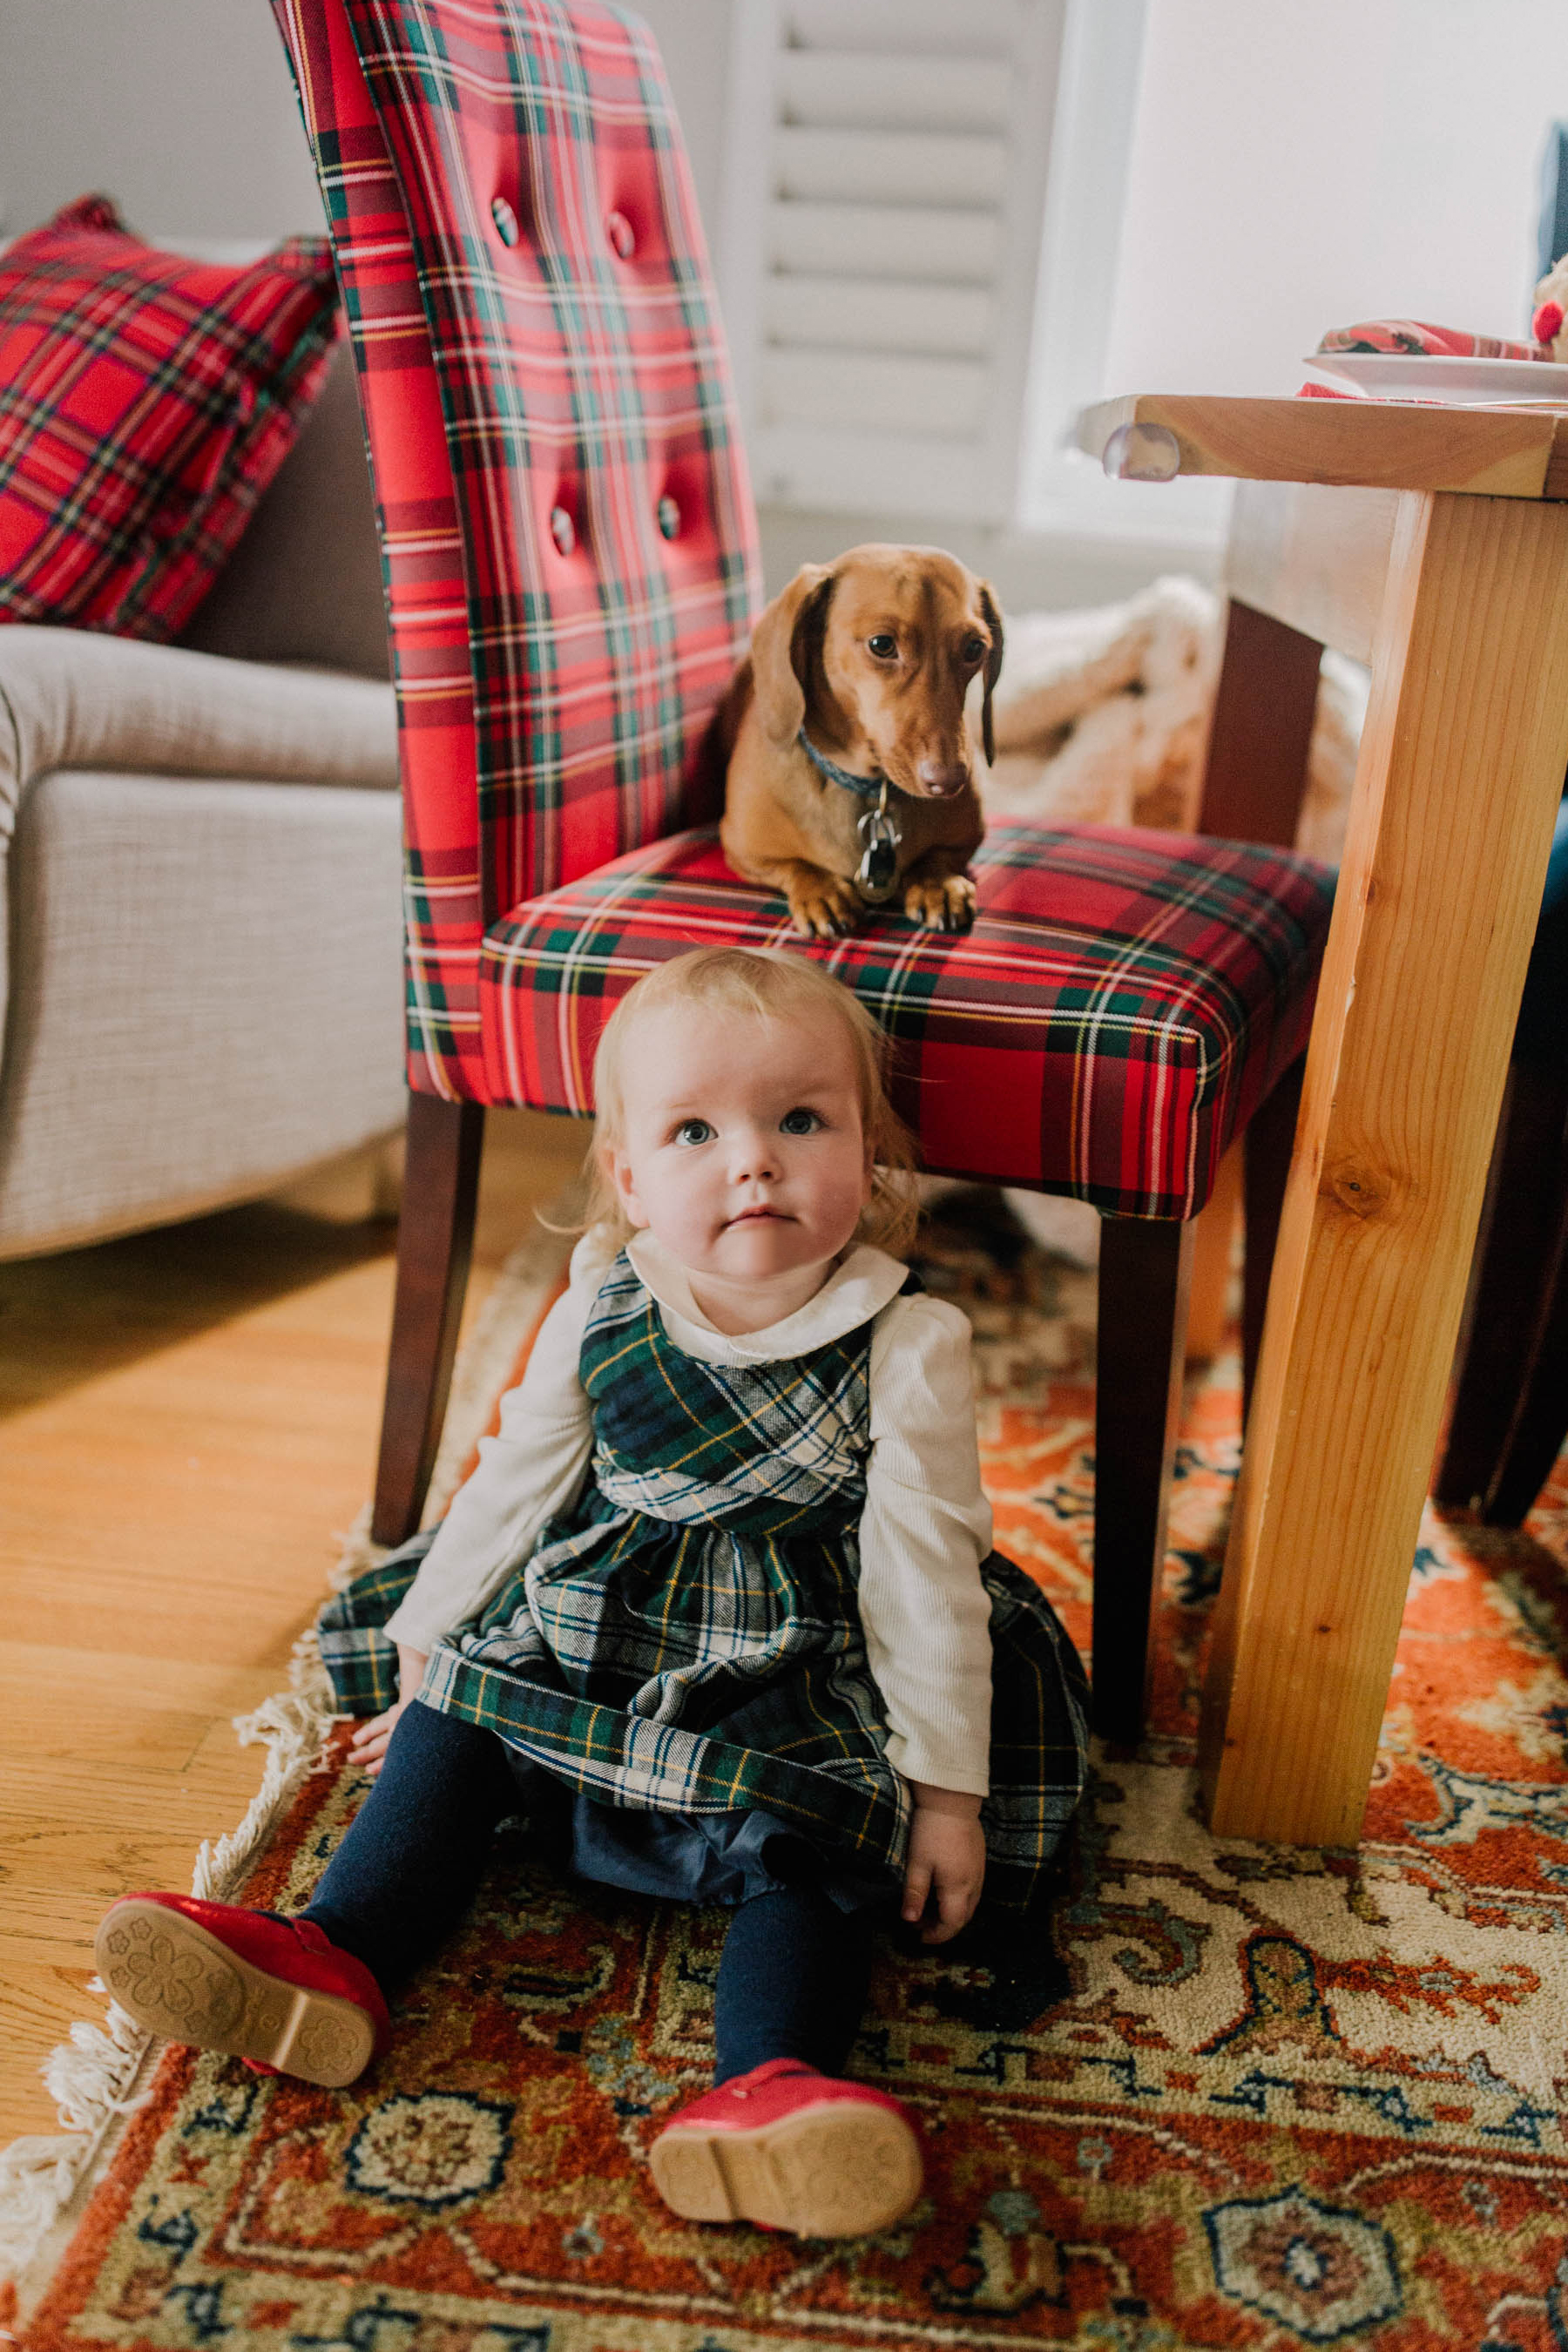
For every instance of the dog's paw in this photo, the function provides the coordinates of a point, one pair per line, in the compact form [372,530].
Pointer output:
[825,907]
[947,905]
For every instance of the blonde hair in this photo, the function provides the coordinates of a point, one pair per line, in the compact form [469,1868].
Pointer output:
[773,986]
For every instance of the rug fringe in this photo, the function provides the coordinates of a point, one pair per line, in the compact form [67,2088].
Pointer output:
[89,2077]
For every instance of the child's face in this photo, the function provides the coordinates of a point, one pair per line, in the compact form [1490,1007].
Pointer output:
[744,1149]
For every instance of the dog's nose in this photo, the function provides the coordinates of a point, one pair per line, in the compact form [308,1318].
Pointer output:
[940,778]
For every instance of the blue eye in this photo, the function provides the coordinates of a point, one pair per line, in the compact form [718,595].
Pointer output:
[799,1122]
[694,1130]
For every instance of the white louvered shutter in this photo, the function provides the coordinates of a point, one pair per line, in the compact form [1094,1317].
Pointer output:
[885,194]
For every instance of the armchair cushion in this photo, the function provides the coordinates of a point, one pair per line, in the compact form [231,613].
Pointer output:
[206,996]
[146,402]
[1188,964]
[203,854]
[72,700]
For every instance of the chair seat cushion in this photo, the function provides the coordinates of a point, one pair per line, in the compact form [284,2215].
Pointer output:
[1122,1006]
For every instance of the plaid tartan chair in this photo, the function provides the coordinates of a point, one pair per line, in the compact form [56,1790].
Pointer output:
[569,550]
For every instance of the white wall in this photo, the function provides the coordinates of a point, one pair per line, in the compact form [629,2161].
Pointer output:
[693,38]
[1297,166]
[184,112]
[1301,165]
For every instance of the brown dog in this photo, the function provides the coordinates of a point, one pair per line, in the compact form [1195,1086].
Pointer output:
[851,769]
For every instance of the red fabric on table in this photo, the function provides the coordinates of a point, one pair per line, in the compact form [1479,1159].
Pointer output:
[1415,338]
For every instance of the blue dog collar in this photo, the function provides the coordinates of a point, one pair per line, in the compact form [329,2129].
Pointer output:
[832,773]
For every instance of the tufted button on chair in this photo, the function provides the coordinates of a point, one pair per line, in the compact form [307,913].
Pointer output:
[1125,1003]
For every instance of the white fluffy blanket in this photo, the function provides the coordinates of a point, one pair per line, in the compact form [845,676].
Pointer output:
[1102,716]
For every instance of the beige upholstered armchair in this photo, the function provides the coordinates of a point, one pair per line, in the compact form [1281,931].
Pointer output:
[200,931]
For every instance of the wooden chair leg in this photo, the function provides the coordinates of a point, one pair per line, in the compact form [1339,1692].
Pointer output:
[1213,1231]
[1518,1247]
[1267,1146]
[1144,1269]
[435,1242]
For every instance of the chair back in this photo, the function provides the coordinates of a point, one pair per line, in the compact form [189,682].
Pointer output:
[568,541]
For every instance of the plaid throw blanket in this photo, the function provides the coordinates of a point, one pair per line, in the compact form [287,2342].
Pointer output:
[688,1639]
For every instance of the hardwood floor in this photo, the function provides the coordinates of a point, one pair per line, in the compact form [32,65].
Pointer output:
[186,1418]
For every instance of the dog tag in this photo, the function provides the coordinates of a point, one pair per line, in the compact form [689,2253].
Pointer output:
[876,876]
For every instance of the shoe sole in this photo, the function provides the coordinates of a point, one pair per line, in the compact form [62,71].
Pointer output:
[838,2170]
[175,1978]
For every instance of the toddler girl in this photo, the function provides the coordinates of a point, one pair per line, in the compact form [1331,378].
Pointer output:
[717,1610]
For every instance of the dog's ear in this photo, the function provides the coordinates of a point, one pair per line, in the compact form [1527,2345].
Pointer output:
[993,670]
[782,647]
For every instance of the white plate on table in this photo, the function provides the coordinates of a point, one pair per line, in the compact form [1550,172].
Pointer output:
[1437,375]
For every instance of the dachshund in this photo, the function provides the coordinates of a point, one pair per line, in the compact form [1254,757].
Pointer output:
[851,770]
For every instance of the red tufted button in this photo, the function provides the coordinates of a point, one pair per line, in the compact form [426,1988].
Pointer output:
[505,220]
[668,517]
[563,531]
[622,235]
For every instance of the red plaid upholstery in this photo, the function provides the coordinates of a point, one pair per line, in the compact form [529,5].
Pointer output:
[1121,1008]
[573,573]
[546,397]
[146,401]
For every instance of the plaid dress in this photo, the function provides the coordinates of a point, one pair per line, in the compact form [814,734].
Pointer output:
[687,1640]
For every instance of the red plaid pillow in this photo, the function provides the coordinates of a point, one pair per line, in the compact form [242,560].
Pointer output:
[146,401]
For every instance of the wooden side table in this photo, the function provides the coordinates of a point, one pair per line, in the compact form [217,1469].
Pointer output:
[1432,544]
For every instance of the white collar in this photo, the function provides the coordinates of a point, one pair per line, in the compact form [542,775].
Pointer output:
[859,1287]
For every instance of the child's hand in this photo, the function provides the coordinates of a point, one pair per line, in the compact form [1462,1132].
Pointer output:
[367,1748]
[946,1867]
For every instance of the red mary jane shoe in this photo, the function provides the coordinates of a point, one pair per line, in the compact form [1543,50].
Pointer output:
[273,1991]
[789,2148]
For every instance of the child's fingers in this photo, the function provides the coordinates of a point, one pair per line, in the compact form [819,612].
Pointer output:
[917,1890]
[955,1901]
[377,1729]
[370,1740]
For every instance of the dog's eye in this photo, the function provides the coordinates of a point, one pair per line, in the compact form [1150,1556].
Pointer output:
[883,644]
[974,648]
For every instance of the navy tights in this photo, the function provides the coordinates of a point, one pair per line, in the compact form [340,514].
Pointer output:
[792,1980]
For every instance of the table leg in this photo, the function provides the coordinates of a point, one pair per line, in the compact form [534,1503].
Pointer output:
[1461,770]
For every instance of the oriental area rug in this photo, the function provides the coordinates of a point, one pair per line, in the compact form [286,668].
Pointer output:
[1236,2095]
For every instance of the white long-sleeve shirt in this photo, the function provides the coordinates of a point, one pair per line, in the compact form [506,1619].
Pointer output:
[925,1528]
